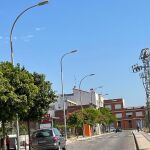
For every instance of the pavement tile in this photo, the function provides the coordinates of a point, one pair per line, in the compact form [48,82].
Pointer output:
[142,142]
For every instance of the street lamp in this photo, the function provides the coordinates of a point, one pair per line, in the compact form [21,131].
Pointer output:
[62,86]
[11,46]
[99,87]
[80,95]
[12,54]
[80,87]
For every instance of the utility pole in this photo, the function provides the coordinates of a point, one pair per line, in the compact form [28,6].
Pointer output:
[145,76]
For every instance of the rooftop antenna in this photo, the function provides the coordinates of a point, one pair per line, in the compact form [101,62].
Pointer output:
[75,81]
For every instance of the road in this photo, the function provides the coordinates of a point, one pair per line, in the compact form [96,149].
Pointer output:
[113,141]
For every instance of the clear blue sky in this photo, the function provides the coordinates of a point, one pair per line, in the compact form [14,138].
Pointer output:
[108,35]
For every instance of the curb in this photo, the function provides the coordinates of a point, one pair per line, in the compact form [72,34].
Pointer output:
[137,147]
[84,138]
[142,142]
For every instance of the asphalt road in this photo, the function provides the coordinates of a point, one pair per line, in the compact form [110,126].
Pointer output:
[114,141]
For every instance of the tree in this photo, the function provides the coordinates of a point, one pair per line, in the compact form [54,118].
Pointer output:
[40,102]
[88,116]
[16,87]
[75,121]
[23,93]
[106,117]
[91,116]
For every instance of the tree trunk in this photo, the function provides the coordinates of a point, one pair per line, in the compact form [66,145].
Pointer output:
[28,124]
[4,136]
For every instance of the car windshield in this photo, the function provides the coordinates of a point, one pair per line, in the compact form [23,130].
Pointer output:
[56,131]
[43,133]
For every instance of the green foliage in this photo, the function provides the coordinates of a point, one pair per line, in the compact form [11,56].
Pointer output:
[106,117]
[16,87]
[23,128]
[75,119]
[42,100]
[23,93]
[91,116]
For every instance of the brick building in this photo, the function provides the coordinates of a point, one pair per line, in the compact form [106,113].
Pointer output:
[127,117]
[70,110]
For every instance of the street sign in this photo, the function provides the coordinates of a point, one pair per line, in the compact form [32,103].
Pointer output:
[46,118]
[45,126]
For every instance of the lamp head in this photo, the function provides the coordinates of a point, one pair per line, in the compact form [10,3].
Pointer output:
[43,2]
[73,51]
[92,74]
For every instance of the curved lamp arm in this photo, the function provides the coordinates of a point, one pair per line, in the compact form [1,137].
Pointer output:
[80,86]
[11,46]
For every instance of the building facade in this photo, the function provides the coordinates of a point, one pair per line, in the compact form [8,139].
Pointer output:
[74,101]
[80,97]
[127,117]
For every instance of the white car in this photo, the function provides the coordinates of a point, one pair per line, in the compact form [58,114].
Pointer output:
[112,129]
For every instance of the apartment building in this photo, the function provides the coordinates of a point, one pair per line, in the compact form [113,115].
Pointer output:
[127,117]
[134,116]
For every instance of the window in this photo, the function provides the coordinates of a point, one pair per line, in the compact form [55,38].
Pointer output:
[44,133]
[118,106]
[129,114]
[119,115]
[108,106]
[139,113]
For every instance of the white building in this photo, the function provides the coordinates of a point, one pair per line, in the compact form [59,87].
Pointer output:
[80,97]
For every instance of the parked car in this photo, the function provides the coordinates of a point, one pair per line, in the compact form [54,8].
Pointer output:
[118,130]
[44,139]
[112,129]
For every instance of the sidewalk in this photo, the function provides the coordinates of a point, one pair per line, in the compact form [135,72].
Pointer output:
[141,140]
[81,138]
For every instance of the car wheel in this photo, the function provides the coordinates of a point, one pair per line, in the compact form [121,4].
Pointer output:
[64,148]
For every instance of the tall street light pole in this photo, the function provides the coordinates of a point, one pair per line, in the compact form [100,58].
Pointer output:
[80,87]
[80,95]
[11,45]
[62,92]
[12,54]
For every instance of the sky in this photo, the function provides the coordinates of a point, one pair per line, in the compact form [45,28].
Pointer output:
[108,34]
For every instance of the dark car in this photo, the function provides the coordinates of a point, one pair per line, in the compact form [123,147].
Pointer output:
[44,139]
[118,130]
